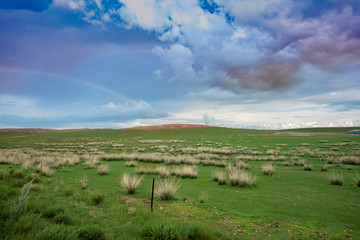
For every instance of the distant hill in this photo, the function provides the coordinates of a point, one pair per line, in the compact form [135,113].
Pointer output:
[170,126]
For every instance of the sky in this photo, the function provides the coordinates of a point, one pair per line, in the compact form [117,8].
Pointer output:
[261,64]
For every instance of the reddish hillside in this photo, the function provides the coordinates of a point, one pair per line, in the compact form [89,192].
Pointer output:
[170,126]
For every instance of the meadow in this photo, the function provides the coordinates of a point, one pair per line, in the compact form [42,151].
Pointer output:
[224,184]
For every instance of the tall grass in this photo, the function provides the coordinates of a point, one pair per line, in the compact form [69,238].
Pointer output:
[84,182]
[163,171]
[166,188]
[336,178]
[241,165]
[20,208]
[241,178]
[103,169]
[186,172]
[268,169]
[130,183]
[219,176]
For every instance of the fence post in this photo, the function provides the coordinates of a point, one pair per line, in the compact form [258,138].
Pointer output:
[152,194]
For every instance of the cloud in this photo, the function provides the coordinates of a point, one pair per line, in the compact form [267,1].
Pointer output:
[209,119]
[270,74]
[180,59]
[71,4]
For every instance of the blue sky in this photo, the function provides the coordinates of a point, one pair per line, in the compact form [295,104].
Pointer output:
[265,64]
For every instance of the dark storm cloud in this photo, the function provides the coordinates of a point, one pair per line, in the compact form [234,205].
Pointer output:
[270,74]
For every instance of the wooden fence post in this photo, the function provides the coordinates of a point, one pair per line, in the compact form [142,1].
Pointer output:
[152,194]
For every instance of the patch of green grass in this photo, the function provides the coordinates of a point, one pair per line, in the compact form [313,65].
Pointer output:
[307,205]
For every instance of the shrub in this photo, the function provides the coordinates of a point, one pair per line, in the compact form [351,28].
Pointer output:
[130,183]
[160,232]
[92,232]
[103,169]
[166,188]
[97,198]
[268,169]
[336,178]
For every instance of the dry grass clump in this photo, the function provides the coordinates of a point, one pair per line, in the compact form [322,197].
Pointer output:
[166,188]
[336,178]
[141,170]
[187,172]
[307,167]
[103,169]
[301,162]
[203,197]
[163,171]
[91,161]
[241,178]
[130,183]
[241,165]
[324,168]
[130,163]
[45,170]
[84,182]
[267,169]
[26,164]
[217,163]
[219,176]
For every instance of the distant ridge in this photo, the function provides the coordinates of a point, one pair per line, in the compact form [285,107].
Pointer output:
[169,126]
[39,130]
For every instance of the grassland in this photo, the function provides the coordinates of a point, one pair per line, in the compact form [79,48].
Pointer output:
[71,199]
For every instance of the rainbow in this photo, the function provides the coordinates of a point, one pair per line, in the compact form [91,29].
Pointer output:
[81,81]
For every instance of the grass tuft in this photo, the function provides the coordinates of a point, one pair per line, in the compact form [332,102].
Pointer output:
[268,169]
[166,188]
[336,178]
[130,183]
[103,169]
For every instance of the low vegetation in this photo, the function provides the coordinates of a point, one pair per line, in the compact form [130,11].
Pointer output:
[130,183]
[218,188]
[166,188]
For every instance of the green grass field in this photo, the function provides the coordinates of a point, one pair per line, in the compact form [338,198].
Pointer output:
[290,204]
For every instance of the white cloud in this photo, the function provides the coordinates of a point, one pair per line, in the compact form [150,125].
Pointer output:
[15,101]
[144,13]
[181,60]
[209,119]
[71,4]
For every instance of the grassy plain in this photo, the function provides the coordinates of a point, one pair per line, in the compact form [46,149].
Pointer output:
[291,203]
